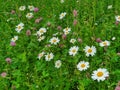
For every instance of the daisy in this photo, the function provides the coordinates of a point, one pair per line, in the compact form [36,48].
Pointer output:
[14,39]
[73,41]
[19,27]
[58,64]
[54,40]
[100,74]
[62,15]
[82,65]
[90,51]
[41,38]
[117,18]
[22,8]
[73,50]
[105,43]
[66,30]
[29,15]
[40,55]
[49,57]
[31,8]
[41,31]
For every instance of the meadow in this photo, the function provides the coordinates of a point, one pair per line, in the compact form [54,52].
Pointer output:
[59,45]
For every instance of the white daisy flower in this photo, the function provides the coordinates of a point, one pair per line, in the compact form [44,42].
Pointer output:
[41,31]
[110,7]
[73,50]
[22,8]
[73,41]
[66,30]
[49,57]
[117,18]
[58,64]
[41,38]
[90,51]
[82,65]
[62,15]
[40,55]
[31,8]
[105,43]
[29,15]
[14,39]
[19,27]
[54,40]
[100,74]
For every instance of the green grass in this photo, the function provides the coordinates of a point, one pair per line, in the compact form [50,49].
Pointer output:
[26,72]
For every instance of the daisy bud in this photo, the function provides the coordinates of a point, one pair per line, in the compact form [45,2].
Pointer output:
[8,60]
[113,38]
[3,74]
[75,13]
[36,9]
[75,22]
[48,24]
[28,32]
[12,11]
[98,40]
[63,36]
[79,40]
[59,27]
[12,43]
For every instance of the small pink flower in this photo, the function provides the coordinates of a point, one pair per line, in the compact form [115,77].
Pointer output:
[116,22]
[98,40]
[8,60]
[12,43]
[118,86]
[48,24]
[38,20]
[3,74]
[75,22]
[36,9]
[63,36]
[79,40]
[12,11]
[59,27]
[75,13]
[28,32]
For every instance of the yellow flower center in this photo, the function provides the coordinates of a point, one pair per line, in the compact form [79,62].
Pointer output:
[89,50]
[73,50]
[105,43]
[49,56]
[54,40]
[100,74]
[19,27]
[82,65]
[58,64]
[41,31]
[118,17]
